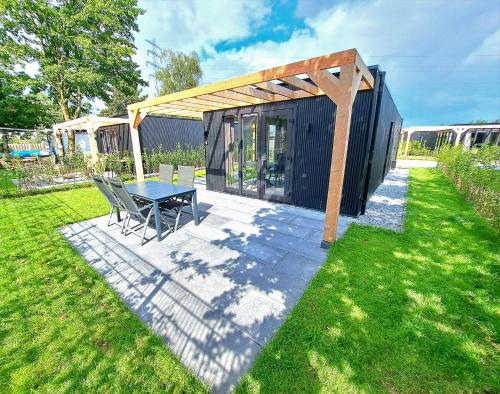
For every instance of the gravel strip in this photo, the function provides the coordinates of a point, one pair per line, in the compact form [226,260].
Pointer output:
[386,207]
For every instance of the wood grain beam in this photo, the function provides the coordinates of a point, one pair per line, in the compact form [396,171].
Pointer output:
[207,103]
[342,91]
[302,85]
[240,97]
[136,145]
[249,91]
[278,89]
[223,100]
[302,67]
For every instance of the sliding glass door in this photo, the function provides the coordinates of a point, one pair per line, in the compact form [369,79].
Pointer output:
[277,152]
[250,154]
[258,154]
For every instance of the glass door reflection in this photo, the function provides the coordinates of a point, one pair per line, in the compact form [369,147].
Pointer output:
[276,131]
[250,153]
[232,145]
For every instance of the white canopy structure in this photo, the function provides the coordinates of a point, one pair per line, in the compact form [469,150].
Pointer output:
[458,129]
[88,123]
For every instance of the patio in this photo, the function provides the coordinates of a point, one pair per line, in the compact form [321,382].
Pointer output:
[218,291]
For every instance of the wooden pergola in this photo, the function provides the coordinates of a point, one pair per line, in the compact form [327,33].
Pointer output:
[269,86]
[88,123]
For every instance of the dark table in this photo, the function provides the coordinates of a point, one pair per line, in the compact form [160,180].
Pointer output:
[158,192]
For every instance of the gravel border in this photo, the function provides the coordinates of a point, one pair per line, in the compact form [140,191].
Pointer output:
[386,207]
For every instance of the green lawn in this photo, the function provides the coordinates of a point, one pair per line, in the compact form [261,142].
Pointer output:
[61,327]
[410,312]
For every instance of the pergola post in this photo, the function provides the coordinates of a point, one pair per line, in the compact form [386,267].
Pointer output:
[58,141]
[408,136]
[467,139]
[342,91]
[134,120]
[93,142]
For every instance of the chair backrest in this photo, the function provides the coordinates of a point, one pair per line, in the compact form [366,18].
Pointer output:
[186,176]
[166,173]
[105,190]
[123,196]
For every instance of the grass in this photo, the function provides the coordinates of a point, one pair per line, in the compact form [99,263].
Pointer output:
[411,312]
[61,327]
[388,312]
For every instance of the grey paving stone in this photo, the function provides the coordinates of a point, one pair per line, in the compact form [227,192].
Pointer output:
[308,223]
[298,267]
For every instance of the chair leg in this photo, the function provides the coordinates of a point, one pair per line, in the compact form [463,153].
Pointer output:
[146,226]
[110,216]
[124,222]
[127,223]
[178,215]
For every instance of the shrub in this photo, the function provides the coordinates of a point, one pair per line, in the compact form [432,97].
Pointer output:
[415,148]
[475,173]
[181,155]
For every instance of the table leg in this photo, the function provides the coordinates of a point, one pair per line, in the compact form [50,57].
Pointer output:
[118,218]
[194,206]
[157,220]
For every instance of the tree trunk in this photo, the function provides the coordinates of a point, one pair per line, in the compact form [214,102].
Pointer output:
[71,134]
[71,141]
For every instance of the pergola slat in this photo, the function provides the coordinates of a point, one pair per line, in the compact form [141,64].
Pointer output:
[240,97]
[249,91]
[302,85]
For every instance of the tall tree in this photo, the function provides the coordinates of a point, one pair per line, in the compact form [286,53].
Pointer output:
[178,71]
[22,106]
[83,48]
[117,104]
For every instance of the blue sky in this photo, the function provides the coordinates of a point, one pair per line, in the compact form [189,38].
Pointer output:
[442,58]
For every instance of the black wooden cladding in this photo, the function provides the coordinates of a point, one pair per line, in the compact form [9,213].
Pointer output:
[383,149]
[168,132]
[375,125]
[153,132]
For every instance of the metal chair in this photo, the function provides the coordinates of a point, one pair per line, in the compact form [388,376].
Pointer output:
[166,173]
[109,196]
[142,214]
[186,179]
[186,176]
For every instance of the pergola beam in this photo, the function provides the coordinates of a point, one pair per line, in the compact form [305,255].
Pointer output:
[293,69]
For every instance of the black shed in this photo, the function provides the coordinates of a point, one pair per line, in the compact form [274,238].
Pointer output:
[154,131]
[282,151]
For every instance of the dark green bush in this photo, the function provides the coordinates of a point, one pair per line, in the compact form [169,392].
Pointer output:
[475,173]
[181,155]
[415,148]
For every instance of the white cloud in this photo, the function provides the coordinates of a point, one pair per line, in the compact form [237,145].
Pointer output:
[488,52]
[196,25]
[423,46]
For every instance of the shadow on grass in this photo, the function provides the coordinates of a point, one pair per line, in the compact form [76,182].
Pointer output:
[409,312]
[61,327]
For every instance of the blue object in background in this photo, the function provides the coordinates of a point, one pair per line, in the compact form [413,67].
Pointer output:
[28,153]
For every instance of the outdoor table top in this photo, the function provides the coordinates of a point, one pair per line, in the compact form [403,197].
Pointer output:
[157,191]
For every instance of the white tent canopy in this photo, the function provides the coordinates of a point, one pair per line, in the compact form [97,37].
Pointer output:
[88,123]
